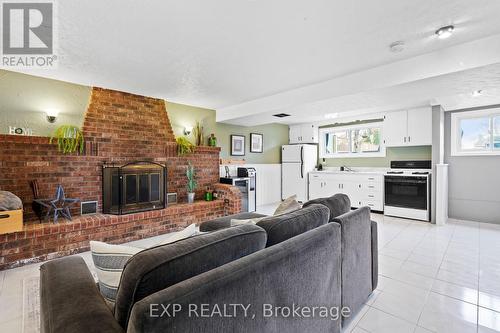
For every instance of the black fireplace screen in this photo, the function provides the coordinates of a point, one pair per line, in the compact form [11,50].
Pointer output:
[133,187]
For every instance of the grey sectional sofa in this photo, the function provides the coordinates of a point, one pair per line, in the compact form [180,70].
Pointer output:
[300,265]
[359,265]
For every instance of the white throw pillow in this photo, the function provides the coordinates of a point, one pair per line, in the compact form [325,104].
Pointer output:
[255,220]
[187,232]
[109,260]
[287,206]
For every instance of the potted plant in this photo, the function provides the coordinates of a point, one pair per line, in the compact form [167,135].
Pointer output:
[191,183]
[184,146]
[69,139]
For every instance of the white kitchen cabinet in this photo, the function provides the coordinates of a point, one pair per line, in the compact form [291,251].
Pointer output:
[315,186]
[321,186]
[395,128]
[304,133]
[362,189]
[408,128]
[420,127]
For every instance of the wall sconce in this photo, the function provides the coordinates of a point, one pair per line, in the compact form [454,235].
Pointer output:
[188,130]
[52,116]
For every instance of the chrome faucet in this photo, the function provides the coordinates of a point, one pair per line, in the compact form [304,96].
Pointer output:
[346,168]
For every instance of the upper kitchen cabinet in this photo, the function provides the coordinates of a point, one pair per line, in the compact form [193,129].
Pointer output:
[305,133]
[408,128]
[420,127]
[395,128]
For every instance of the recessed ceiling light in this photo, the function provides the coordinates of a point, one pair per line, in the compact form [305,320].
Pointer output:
[445,32]
[331,115]
[397,47]
[281,115]
[477,93]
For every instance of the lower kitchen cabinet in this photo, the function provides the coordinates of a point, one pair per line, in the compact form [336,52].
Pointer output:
[362,189]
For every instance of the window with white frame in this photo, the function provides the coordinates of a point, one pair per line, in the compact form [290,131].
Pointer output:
[475,133]
[351,141]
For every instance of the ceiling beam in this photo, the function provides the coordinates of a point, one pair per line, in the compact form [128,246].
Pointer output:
[479,53]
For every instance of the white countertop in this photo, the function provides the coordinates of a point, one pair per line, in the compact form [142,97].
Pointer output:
[355,171]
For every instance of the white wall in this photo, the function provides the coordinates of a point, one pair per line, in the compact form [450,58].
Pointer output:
[268,181]
[474,182]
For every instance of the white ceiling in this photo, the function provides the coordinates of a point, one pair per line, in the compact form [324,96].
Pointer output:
[239,56]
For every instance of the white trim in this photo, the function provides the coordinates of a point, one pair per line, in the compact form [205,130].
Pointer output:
[455,137]
[322,131]
[409,213]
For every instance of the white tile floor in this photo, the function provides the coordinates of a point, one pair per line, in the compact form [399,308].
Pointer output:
[432,279]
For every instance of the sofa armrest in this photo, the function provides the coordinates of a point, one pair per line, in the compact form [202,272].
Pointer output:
[70,301]
[356,231]
[374,255]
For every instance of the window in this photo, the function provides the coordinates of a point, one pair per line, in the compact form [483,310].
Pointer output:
[342,142]
[365,140]
[352,141]
[475,133]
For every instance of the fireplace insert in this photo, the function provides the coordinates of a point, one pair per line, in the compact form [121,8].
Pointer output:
[133,187]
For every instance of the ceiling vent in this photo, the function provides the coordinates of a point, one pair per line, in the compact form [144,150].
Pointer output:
[281,115]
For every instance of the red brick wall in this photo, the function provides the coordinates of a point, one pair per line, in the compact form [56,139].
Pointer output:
[39,242]
[118,127]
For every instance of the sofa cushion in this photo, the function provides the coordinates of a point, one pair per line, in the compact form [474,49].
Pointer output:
[254,220]
[187,232]
[225,221]
[288,205]
[109,260]
[159,267]
[302,271]
[338,204]
[285,226]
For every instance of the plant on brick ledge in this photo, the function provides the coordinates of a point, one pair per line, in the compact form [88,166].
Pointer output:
[198,134]
[191,184]
[69,139]
[184,146]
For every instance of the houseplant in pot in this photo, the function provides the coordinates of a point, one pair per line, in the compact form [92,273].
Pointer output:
[69,139]
[191,183]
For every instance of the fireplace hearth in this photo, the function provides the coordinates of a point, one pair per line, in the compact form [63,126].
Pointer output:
[133,187]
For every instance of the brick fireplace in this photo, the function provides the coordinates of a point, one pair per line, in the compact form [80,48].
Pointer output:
[119,128]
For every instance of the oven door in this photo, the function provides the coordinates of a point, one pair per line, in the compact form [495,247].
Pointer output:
[406,192]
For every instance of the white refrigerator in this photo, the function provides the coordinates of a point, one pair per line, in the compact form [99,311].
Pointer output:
[296,162]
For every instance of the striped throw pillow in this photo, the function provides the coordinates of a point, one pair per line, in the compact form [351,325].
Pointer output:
[109,260]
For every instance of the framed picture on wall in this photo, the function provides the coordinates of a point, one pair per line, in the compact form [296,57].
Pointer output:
[237,145]
[256,143]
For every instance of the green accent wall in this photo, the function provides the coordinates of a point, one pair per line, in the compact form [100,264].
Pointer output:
[275,135]
[24,100]
[392,154]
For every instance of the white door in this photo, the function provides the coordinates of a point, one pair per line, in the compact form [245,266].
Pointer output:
[395,128]
[352,190]
[291,153]
[420,127]
[332,186]
[293,182]
[294,134]
[310,157]
[309,133]
[315,186]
